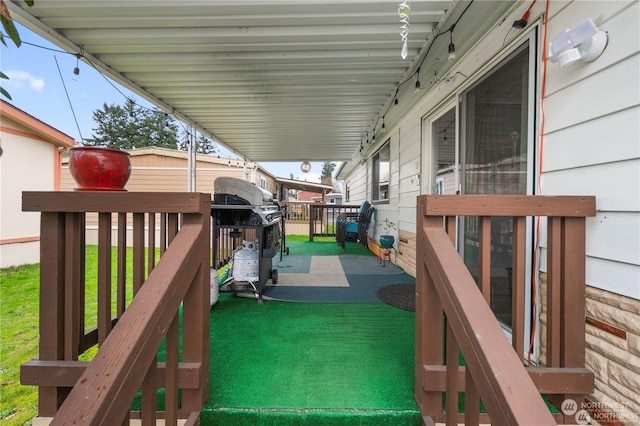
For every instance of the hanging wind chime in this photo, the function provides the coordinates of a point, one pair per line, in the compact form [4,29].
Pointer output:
[403,13]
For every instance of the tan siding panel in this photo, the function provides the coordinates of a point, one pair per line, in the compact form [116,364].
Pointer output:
[152,160]
[406,258]
[157,180]
[66,181]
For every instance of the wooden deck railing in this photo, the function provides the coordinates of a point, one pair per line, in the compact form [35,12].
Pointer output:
[128,335]
[319,218]
[322,218]
[296,211]
[227,242]
[494,371]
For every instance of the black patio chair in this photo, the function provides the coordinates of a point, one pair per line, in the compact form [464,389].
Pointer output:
[354,226]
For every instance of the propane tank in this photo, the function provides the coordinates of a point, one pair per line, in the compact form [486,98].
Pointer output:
[213,287]
[246,263]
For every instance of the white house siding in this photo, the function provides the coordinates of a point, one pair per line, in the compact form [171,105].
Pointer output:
[26,164]
[591,146]
[357,183]
[592,142]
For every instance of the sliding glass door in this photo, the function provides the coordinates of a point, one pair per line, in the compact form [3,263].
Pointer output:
[495,158]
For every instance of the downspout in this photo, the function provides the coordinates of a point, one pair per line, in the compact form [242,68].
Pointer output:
[57,166]
[191,160]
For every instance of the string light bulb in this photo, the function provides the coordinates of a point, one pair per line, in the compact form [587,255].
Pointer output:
[76,70]
[452,47]
[452,52]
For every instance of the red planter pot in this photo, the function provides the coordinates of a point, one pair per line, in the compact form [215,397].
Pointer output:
[99,169]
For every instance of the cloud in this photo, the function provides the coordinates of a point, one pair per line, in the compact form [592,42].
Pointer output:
[309,177]
[19,78]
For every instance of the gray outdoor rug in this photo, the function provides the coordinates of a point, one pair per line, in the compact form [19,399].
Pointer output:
[333,279]
[401,296]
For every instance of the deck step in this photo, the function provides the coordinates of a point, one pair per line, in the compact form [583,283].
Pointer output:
[45,421]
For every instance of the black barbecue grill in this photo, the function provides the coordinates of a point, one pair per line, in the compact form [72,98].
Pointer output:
[239,206]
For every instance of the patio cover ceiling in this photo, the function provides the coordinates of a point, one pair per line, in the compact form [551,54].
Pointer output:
[271,80]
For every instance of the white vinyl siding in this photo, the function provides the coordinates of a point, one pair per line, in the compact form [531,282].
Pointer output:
[591,141]
[591,136]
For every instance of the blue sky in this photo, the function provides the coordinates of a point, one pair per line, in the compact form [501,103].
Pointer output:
[36,87]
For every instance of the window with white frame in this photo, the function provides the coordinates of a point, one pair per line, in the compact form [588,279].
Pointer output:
[439,188]
[380,173]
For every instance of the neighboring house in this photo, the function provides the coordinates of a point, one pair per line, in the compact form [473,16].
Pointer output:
[314,197]
[166,170]
[305,191]
[331,198]
[30,159]
[161,169]
[306,196]
[505,120]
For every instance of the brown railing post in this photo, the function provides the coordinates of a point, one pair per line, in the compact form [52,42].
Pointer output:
[104,276]
[518,272]
[492,372]
[74,286]
[565,286]
[52,301]
[429,323]
[311,222]
[195,313]
[129,337]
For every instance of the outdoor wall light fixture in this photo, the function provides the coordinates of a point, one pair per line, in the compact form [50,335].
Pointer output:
[585,42]
[305,167]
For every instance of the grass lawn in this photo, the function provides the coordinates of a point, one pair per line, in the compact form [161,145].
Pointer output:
[19,334]
[18,341]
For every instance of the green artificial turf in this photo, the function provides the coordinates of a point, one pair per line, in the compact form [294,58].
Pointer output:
[273,364]
[299,245]
[288,363]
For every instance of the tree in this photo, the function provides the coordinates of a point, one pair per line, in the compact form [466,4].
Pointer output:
[204,145]
[132,126]
[327,171]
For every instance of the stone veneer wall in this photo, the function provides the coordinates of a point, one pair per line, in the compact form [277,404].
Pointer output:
[612,350]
